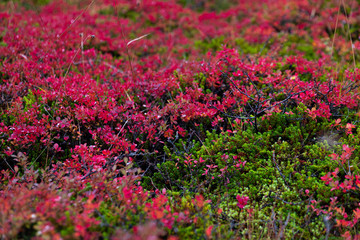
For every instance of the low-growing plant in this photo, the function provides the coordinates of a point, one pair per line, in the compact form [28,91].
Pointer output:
[179,119]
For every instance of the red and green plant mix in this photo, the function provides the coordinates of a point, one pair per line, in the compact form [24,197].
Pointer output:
[179,119]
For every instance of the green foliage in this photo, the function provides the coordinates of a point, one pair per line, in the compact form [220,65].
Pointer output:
[29,100]
[252,48]
[7,119]
[200,79]
[41,2]
[295,44]
[283,159]
[30,4]
[131,14]
[217,5]
[214,44]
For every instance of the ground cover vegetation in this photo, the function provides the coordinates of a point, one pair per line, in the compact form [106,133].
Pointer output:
[184,119]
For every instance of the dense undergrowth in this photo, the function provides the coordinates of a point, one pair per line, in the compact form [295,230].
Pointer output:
[182,119]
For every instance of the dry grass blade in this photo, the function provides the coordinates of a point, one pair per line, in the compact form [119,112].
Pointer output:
[136,39]
[347,16]
[127,50]
[77,18]
[336,26]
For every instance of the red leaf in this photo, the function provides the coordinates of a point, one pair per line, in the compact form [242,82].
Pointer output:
[208,231]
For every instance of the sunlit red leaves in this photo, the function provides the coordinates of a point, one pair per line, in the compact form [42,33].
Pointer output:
[349,128]
[75,205]
[159,210]
[242,201]
[209,231]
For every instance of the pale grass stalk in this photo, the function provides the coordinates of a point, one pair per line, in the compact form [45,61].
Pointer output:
[72,60]
[348,31]
[77,18]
